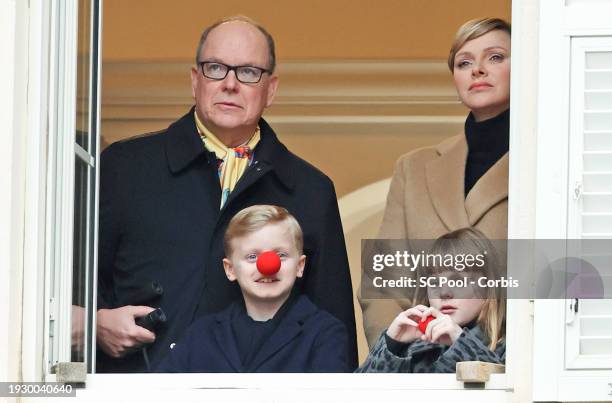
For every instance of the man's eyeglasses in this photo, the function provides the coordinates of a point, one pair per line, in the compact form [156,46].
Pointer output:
[244,74]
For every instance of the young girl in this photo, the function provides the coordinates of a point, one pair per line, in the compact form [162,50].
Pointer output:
[468,324]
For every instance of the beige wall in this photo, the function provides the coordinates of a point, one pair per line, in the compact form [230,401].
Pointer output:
[312,29]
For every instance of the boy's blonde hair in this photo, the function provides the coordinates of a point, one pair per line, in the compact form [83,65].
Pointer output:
[492,317]
[253,218]
[474,29]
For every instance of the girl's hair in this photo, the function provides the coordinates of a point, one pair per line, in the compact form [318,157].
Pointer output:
[470,241]
[474,29]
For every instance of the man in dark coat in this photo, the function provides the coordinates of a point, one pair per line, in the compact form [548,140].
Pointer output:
[167,197]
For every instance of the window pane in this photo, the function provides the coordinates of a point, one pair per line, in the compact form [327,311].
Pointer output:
[83,75]
[84,185]
[80,258]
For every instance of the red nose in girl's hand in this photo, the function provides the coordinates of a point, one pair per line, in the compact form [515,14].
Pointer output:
[423,324]
[268,263]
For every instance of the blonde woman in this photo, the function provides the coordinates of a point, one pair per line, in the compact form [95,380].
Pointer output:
[463,181]
[467,323]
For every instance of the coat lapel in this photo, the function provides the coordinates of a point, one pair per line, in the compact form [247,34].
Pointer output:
[226,340]
[445,177]
[183,144]
[288,329]
[489,190]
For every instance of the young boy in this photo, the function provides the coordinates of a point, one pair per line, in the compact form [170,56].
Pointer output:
[269,330]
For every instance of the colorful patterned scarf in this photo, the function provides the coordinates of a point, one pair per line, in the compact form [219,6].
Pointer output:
[233,161]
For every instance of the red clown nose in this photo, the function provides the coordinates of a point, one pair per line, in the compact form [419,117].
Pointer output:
[423,324]
[268,263]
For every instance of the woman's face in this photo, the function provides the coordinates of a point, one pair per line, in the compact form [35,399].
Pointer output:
[482,74]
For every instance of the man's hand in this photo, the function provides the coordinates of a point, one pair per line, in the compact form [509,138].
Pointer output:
[117,332]
[78,328]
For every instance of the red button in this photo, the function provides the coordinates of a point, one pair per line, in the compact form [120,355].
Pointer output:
[268,263]
[423,324]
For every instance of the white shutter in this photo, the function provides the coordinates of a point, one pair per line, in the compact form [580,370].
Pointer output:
[595,328]
[597,144]
[589,322]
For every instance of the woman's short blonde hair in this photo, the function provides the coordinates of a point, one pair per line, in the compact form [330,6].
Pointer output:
[253,218]
[474,29]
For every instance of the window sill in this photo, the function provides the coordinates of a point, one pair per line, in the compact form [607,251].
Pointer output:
[354,387]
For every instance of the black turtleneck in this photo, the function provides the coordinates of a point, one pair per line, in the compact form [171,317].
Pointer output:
[487,142]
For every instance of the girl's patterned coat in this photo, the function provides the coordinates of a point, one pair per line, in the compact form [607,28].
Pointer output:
[422,356]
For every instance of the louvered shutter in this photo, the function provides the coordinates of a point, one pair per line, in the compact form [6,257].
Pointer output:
[589,321]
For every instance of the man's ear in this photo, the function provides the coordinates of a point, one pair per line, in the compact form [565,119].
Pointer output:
[272,87]
[194,80]
[229,269]
[301,265]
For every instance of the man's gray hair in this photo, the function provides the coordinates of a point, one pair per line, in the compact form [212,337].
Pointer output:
[242,18]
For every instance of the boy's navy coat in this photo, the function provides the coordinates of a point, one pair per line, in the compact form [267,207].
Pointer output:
[160,221]
[307,339]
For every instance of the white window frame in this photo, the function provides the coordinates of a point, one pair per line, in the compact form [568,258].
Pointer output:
[517,378]
[45,105]
[13,114]
[63,151]
[501,387]
[60,202]
[34,307]
[26,147]
[558,24]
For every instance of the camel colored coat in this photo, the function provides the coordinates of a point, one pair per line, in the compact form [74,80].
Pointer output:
[426,200]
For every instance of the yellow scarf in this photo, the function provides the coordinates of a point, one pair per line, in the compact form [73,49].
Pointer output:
[234,160]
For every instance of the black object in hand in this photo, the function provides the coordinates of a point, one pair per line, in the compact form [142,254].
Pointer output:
[153,320]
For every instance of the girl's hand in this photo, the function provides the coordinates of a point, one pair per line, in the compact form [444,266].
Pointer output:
[405,327]
[442,329]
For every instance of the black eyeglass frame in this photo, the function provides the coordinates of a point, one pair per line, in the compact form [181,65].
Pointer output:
[234,69]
